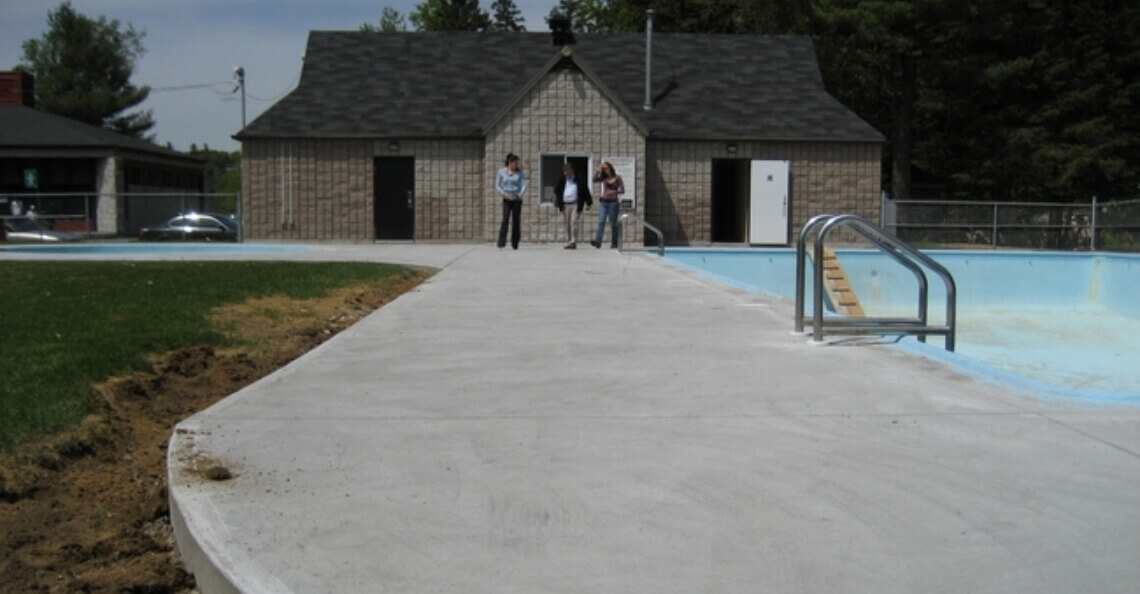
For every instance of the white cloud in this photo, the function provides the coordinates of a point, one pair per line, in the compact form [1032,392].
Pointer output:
[191,42]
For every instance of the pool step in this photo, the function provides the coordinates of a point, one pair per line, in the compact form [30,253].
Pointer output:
[838,287]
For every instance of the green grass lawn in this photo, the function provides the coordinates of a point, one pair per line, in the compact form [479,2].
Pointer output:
[65,326]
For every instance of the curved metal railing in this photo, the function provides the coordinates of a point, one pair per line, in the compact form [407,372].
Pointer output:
[644,223]
[898,250]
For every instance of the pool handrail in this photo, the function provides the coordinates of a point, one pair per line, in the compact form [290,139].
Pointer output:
[647,225]
[894,247]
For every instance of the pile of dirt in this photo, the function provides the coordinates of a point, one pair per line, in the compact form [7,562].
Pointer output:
[87,511]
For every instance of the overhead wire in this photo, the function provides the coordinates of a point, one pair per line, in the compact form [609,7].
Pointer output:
[292,85]
[213,87]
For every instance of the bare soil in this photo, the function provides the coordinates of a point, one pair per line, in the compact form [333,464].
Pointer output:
[87,511]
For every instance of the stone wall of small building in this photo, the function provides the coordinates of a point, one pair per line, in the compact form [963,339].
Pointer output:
[563,113]
[826,177]
[322,189]
[307,189]
[449,188]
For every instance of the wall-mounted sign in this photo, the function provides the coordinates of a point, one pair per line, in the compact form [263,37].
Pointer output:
[626,167]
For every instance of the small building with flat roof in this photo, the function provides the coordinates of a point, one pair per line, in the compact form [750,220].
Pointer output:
[83,174]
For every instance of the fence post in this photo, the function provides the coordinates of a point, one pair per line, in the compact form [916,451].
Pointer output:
[241,223]
[1092,226]
[994,231]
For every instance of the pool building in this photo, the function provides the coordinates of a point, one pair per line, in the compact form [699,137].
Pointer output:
[719,138]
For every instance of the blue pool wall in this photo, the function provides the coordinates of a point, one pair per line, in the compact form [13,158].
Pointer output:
[984,279]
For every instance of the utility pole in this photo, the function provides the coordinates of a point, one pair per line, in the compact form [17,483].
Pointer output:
[239,76]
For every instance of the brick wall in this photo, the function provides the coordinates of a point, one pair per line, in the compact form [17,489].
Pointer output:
[825,177]
[449,188]
[307,189]
[563,113]
[322,190]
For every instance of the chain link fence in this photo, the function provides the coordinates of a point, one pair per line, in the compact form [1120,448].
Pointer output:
[91,214]
[1113,226]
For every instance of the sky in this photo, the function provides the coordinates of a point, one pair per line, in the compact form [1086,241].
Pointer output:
[198,43]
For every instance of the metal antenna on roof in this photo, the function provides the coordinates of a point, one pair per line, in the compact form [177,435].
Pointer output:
[648,58]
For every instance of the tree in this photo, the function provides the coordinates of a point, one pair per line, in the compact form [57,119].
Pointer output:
[587,16]
[507,16]
[223,169]
[391,21]
[707,16]
[450,15]
[83,69]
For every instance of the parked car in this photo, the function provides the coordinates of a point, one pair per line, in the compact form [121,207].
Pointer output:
[204,226]
[27,229]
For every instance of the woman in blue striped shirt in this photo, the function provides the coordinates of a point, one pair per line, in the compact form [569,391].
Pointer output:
[510,183]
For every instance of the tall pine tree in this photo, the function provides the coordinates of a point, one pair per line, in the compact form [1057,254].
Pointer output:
[506,17]
[450,15]
[83,69]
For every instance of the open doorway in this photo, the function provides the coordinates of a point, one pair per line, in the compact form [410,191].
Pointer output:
[730,194]
[750,201]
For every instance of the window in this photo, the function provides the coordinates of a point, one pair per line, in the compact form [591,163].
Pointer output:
[550,171]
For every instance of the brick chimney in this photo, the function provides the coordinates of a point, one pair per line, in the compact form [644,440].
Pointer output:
[17,88]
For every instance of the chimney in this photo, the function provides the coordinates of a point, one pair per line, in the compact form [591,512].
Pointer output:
[17,88]
[648,58]
[560,32]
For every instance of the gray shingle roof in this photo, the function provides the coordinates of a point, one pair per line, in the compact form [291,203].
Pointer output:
[362,84]
[24,128]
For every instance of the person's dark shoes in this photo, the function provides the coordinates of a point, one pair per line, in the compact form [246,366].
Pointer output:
[571,246]
[613,246]
[596,244]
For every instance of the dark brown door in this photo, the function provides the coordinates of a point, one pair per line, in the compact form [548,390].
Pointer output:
[395,208]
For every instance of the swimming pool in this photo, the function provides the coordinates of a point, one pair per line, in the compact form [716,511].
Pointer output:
[112,248]
[1064,324]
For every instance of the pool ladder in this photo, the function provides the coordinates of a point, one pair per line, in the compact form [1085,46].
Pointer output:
[850,324]
[626,216]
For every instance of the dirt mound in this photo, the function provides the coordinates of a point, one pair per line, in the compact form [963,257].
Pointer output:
[87,511]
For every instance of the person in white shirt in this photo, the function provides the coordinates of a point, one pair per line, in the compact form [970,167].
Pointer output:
[571,195]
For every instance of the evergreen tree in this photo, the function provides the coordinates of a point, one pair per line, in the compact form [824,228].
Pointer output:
[450,15]
[1034,102]
[83,69]
[586,16]
[706,16]
[391,21]
[507,16]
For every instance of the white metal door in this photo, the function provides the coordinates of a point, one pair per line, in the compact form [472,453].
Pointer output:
[768,205]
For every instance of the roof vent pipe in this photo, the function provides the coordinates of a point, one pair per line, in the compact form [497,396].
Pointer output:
[648,57]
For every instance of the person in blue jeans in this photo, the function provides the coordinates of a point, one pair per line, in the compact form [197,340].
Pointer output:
[510,183]
[609,204]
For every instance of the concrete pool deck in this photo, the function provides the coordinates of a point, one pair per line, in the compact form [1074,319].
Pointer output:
[545,420]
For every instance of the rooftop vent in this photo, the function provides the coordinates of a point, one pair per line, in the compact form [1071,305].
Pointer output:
[560,31]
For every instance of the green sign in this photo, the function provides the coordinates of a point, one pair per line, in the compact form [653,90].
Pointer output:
[31,179]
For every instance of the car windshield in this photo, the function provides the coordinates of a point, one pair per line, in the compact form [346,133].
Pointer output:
[227,220]
[18,224]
